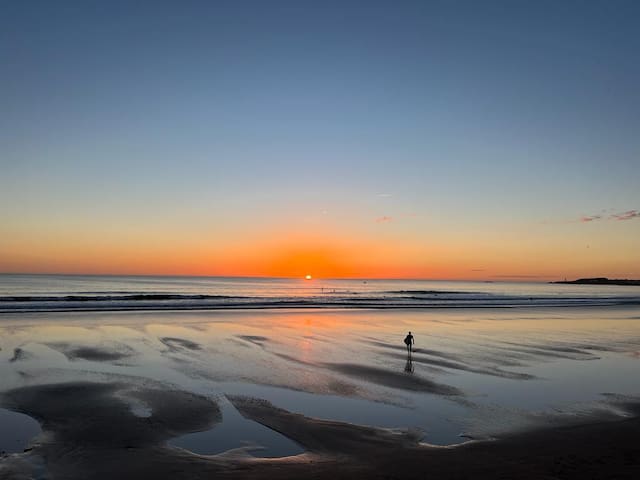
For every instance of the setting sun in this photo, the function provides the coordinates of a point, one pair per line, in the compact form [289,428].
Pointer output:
[308,277]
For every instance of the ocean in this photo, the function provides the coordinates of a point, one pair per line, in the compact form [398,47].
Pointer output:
[43,293]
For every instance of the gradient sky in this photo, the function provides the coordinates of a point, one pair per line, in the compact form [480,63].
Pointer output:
[472,140]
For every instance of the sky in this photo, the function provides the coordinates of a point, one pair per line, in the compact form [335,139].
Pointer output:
[376,139]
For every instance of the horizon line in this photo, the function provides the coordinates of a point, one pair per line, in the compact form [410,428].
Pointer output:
[496,278]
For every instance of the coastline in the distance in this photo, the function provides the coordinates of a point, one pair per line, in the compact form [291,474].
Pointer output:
[600,281]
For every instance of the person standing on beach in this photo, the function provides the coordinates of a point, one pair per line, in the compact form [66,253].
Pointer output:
[408,341]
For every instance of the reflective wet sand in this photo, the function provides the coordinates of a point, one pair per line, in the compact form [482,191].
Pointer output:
[477,373]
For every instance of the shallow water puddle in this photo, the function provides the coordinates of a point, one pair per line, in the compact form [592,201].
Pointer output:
[235,432]
[16,431]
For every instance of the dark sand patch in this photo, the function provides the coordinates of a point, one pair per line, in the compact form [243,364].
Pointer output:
[493,371]
[294,359]
[497,359]
[380,376]
[320,436]
[96,354]
[177,344]
[95,414]
[551,351]
[392,379]
[599,348]
[101,353]
[238,342]
[255,339]
[628,403]
[20,354]
[21,467]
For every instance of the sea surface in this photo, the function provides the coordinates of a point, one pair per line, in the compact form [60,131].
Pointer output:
[84,293]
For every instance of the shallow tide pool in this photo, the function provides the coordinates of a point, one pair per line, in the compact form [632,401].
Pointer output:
[16,431]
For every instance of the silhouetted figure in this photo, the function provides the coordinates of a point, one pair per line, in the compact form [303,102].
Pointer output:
[408,341]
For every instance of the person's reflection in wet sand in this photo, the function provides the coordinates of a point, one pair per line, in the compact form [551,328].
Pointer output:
[408,367]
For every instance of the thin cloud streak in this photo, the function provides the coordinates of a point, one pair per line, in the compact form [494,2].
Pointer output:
[628,215]
[622,216]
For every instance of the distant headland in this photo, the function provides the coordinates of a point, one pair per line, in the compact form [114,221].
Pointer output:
[601,281]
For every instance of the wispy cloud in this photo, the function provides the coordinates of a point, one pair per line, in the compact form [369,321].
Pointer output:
[384,219]
[628,215]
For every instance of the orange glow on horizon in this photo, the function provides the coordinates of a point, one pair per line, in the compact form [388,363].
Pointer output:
[326,252]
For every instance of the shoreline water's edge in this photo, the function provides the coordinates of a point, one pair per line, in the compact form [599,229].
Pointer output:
[595,303]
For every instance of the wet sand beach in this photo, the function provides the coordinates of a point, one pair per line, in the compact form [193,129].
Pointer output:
[96,437]
[537,393]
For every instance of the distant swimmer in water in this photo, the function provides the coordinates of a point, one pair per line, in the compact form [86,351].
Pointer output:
[408,341]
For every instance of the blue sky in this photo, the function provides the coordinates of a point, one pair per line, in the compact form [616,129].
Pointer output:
[459,117]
